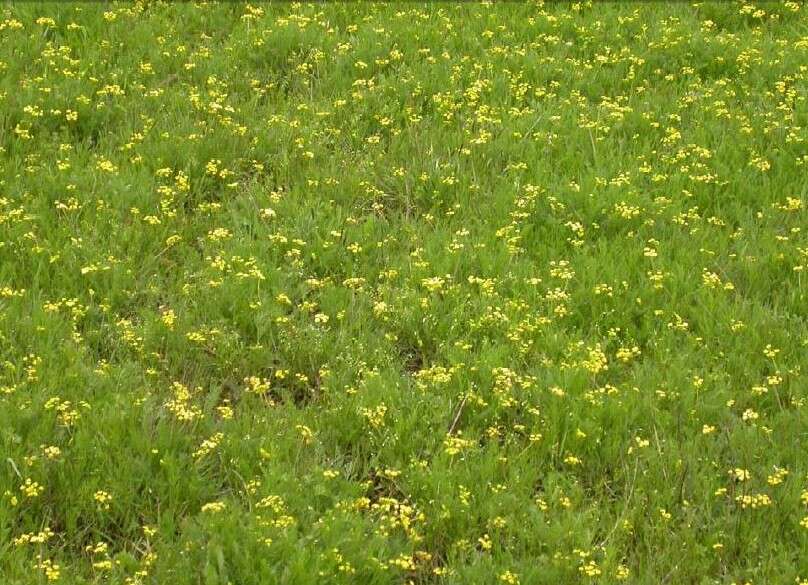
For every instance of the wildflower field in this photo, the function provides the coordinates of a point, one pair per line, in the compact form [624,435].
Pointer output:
[401,293]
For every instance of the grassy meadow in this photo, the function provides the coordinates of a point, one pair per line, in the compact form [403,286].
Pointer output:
[401,293]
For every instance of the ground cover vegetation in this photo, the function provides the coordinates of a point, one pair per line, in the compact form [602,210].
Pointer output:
[403,293]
